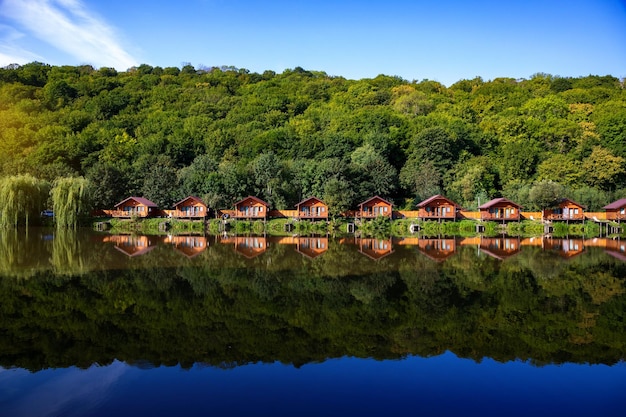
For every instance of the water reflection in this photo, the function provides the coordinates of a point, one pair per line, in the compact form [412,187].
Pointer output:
[23,253]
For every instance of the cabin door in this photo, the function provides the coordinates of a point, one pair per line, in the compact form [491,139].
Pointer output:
[565,213]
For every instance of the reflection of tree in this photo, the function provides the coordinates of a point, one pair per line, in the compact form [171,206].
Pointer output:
[222,308]
[21,253]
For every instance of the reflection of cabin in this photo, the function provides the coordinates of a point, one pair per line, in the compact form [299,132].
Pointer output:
[437,207]
[374,207]
[312,247]
[132,245]
[500,209]
[564,210]
[565,248]
[616,211]
[189,246]
[135,207]
[437,249]
[311,209]
[190,208]
[500,247]
[251,208]
[375,248]
[616,248]
[248,246]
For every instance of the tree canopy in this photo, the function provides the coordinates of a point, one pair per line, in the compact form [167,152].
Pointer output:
[223,133]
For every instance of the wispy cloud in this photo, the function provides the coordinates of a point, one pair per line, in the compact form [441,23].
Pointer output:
[9,53]
[69,26]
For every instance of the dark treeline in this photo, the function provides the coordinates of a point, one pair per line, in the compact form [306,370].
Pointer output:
[223,133]
[224,309]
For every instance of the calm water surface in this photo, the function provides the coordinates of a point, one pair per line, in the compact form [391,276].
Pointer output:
[99,325]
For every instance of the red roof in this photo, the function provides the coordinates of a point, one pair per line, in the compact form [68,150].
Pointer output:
[140,200]
[496,201]
[258,200]
[191,197]
[309,199]
[436,197]
[572,201]
[616,204]
[373,198]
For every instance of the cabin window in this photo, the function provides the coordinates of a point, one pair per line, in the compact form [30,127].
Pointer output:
[385,209]
[575,211]
[622,210]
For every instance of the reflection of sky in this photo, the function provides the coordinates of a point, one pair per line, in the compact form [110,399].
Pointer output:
[59,392]
[443,385]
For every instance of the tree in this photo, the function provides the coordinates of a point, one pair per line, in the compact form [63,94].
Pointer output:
[545,194]
[160,182]
[421,178]
[603,169]
[339,195]
[21,198]
[70,200]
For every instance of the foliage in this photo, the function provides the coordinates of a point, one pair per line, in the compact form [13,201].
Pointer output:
[70,201]
[22,197]
[222,133]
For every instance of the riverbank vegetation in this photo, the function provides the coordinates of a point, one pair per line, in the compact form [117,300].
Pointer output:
[225,133]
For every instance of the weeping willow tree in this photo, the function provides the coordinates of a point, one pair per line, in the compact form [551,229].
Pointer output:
[21,198]
[70,200]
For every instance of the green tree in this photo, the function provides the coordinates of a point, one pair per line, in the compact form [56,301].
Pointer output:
[603,169]
[70,201]
[22,197]
[545,194]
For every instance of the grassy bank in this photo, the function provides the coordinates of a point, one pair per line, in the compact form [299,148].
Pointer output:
[376,227]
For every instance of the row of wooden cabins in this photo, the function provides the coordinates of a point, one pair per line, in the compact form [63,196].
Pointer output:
[436,207]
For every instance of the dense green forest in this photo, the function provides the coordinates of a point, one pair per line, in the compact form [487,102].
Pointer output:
[224,133]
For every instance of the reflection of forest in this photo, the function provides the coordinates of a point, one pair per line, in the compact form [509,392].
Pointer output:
[95,304]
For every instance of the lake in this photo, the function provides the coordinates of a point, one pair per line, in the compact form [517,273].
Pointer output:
[96,324]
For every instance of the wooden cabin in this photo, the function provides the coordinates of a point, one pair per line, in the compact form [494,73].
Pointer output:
[437,208]
[616,211]
[564,210]
[190,208]
[500,209]
[437,249]
[375,207]
[251,208]
[135,207]
[312,209]
[132,245]
[500,247]
[375,248]
[312,247]
[190,246]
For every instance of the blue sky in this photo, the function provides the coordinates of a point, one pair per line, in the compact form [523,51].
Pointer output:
[446,40]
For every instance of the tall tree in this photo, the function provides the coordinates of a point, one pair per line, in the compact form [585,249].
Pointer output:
[70,201]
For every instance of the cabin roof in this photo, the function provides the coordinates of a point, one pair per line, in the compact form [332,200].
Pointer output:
[258,200]
[616,204]
[140,200]
[497,201]
[309,199]
[436,197]
[373,198]
[191,197]
[564,199]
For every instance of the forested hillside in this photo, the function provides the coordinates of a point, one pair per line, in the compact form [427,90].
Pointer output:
[224,133]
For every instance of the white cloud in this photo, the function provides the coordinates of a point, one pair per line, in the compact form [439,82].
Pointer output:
[69,26]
